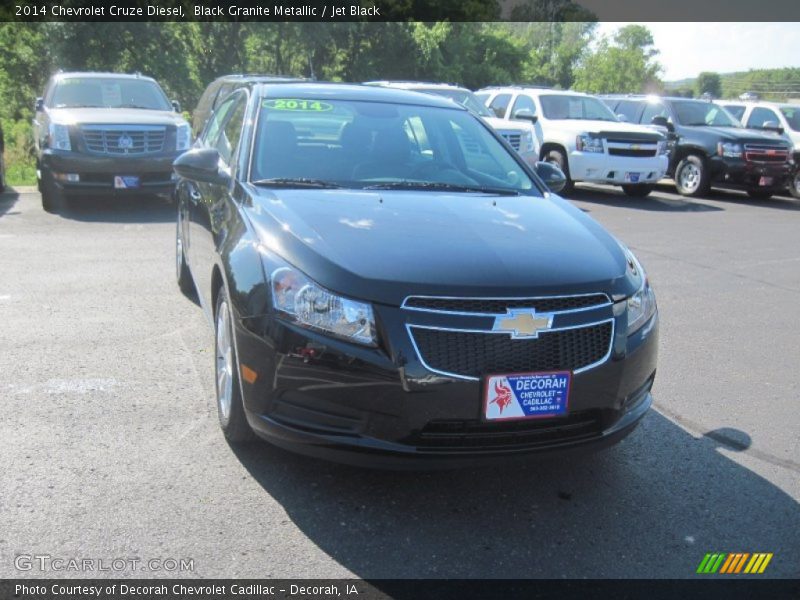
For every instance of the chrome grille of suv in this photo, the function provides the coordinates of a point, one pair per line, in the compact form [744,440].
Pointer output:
[122,140]
[765,153]
[499,306]
[513,139]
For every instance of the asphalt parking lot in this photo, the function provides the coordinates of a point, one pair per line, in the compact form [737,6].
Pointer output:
[110,446]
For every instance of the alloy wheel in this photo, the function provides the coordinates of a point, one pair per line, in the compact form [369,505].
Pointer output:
[224,360]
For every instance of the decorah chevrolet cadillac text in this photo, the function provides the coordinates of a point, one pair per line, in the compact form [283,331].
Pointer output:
[391,285]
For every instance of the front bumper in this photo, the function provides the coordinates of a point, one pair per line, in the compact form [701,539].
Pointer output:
[599,167]
[332,400]
[740,174]
[96,174]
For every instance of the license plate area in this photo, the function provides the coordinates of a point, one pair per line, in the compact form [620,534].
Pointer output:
[125,182]
[765,181]
[632,177]
[520,396]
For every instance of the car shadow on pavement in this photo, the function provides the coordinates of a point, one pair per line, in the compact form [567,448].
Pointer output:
[7,200]
[128,209]
[650,507]
[653,202]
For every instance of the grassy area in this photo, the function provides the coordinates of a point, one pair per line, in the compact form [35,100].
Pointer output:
[21,173]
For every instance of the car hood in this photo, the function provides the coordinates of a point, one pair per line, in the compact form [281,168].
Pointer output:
[503,125]
[384,246]
[575,126]
[114,116]
[740,134]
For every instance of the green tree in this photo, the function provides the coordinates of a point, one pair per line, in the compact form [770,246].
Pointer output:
[626,63]
[708,83]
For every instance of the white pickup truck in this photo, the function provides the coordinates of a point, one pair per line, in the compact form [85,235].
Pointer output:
[580,134]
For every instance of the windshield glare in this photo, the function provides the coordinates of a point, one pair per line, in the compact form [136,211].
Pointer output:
[361,144]
[792,115]
[694,113]
[95,92]
[575,107]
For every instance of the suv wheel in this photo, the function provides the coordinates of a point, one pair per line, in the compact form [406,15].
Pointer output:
[638,191]
[691,176]
[794,184]
[557,157]
[182,273]
[52,197]
[230,408]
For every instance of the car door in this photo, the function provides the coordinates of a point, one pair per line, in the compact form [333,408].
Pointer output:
[213,204]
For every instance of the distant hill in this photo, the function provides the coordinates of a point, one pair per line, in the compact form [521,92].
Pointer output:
[769,84]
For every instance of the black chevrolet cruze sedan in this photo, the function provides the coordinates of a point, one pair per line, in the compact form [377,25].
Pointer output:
[390,285]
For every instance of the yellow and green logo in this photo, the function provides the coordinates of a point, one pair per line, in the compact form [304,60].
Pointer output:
[729,563]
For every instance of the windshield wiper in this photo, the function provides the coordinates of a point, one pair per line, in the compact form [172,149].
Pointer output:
[135,106]
[442,187]
[300,182]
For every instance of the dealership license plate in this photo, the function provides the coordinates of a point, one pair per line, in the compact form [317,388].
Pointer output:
[124,182]
[632,177]
[764,181]
[526,396]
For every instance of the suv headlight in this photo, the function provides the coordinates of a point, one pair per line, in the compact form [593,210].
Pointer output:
[59,136]
[183,137]
[642,304]
[589,143]
[526,144]
[729,150]
[663,148]
[306,303]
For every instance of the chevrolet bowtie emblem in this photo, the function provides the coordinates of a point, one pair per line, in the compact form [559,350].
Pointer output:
[523,323]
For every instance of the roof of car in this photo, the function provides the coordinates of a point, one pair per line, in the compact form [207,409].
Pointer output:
[415,85]
[344,91]
[258,78]
[100,75]
[755,103]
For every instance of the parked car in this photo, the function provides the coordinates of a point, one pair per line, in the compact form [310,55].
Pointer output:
[780,118]
[584,138]
[521,133]
[2,161]
[219,89]
[423,299]
[709,147]
[106,133]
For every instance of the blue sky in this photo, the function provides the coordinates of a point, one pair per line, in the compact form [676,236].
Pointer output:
[689,48]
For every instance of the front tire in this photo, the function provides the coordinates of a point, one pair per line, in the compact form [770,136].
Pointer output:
[794,185]
[558,158]
[637,191]
[52,196]
[691,177]
[230,408]
[182,273]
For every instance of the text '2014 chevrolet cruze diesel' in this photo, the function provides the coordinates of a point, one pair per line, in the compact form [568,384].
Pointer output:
[391,285]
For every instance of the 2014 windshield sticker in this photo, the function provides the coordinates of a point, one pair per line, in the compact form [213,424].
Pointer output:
[297,105]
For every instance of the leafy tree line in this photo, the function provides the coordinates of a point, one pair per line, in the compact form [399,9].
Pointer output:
[185,57]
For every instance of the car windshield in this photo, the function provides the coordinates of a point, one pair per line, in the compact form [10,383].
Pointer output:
[356,144]
[792,115]
[108,92]
[564,106]
[696,113]
[463,97]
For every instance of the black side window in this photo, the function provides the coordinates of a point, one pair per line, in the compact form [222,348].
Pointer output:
[524,102]
[228,141]
[760,116]
[629,109]
[653,110]
[214,125]
[499,105]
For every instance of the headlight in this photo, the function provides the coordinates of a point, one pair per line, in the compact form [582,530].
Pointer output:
[663,148]
[729,150]
[310,305]
[183,137]
[526,145]
[59,137]
[642,304]
[589,143]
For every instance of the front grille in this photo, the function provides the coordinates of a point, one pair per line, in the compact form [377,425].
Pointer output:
[513,139]
[456,434]
[641,153]
[144,178]
[495,306]
[765,154]
[475,354]
[124,140]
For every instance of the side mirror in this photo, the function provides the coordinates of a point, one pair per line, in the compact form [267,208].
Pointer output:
[176,106]
[622,118]
[524,114]
[200,164]
[38,106]
[660,121]
[773,126]
[552,176]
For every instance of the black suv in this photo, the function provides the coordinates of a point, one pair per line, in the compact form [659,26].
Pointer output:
[708,146]
[106,133]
